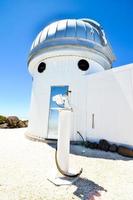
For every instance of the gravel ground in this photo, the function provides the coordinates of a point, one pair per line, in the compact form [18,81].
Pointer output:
[25,166]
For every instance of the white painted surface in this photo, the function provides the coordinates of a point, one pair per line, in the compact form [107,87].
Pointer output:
[59,71]
[110,98]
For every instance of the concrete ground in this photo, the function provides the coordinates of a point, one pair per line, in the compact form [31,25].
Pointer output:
[25,167]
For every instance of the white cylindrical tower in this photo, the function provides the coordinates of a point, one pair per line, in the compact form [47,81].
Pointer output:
[61,58]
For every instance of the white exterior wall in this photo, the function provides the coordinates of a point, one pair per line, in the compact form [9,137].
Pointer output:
[110,98]
[60,71]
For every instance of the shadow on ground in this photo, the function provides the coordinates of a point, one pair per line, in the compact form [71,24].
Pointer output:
[93,153]
[87,190]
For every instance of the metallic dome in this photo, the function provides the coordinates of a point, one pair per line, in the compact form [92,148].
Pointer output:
[80,32]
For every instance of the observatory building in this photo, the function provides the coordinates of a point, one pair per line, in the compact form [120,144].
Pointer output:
[74,56]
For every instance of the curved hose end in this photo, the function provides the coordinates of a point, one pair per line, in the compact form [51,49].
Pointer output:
[64,173]
[81,171]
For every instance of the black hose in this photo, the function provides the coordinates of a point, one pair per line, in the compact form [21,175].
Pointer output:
[64,173]
[81,137]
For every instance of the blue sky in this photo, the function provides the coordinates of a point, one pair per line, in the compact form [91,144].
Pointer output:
[21,20]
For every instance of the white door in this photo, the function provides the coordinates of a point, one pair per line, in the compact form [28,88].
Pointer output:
[53,111]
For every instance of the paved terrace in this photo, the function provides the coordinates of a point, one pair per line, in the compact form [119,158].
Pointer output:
[25,166]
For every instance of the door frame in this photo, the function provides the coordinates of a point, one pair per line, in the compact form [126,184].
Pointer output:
[68,87]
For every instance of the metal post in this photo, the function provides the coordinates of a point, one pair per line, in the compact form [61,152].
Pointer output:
[64,132]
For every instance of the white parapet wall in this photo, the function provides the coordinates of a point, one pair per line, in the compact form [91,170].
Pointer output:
[110,105]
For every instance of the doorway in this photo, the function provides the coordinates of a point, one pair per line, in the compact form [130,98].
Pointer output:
[53,111]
